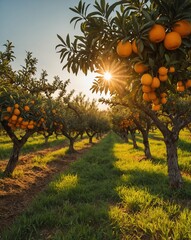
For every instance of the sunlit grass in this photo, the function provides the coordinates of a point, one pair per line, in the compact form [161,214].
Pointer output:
[110,194]
[34,143]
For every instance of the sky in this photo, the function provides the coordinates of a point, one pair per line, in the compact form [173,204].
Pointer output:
[33,25]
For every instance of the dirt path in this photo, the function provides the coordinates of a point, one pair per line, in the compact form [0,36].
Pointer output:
[17,193]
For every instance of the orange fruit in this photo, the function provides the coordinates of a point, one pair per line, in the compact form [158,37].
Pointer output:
[163,78]
[124,49]
[6,117]
[16,105]
[9,109]
[134,46]
[146,89]
[20,119]
[156,101]
[188,83]
[14,118]
[163,71]
[155,107]
[163,100]
[26,108]
[180,88]
[172,40]
[30,126]
[146,97]
[146,79]
[155,83]
[16,111]
[157,33]
[25,123]
[140,67]
[179,83]
[171,69]
[182,27]
[163,95]
[152,95]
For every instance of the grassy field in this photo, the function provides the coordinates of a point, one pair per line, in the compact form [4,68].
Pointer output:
[109,194]
[34,143]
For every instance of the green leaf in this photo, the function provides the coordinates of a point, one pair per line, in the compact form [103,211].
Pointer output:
[146,15]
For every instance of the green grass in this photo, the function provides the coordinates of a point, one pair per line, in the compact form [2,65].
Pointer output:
[109,194]
[33,144]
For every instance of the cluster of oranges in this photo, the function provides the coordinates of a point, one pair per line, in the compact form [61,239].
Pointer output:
[16,120]
[172,40]
[150,84]
[182,86]
[125,123]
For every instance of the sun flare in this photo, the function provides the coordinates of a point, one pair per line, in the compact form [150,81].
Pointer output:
[107,76]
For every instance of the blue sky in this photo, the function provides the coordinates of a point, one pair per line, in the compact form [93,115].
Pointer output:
[33,25]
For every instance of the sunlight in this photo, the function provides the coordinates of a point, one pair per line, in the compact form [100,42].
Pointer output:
[107,76]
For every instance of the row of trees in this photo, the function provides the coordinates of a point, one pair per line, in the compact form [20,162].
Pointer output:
[145,45]
[27,106]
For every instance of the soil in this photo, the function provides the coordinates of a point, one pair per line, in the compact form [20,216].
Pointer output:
[18,192]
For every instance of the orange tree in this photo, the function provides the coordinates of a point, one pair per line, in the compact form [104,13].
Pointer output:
[21,102]
[129,120]
[145,45]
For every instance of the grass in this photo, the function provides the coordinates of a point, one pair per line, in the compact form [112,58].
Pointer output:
[109,194]
[34,143]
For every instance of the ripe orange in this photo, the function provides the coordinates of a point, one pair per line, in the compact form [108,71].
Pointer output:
[9,109]
[156,101]
[152,95]
[163,71]
[14,118]
[140,67]
[163,78]
[179,83]
[157,33]
[171,69]
[124,49]
[6,117]
[155,83]
[172,40]
[26,108]
[20,119]
[155,107]
[182,27]
[163,95]
[146,89]
[16,105]
[146,97]
[188,83]
[30,126]
[25,123]
[180,88]
[16,111]
[134,46]
[163,100]
[146,79]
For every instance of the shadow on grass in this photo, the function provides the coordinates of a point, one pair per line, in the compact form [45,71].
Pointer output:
[184,145]
[77,203]
[157,184]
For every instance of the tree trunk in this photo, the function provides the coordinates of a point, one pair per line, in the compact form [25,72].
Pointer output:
[90,139]
[13,160]
[71,146]
[46,140]
[133,139]
[174,174]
